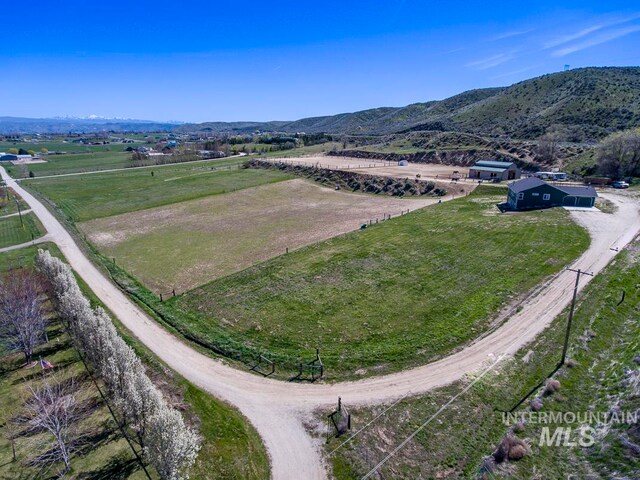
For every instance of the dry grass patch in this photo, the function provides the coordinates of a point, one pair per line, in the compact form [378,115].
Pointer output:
[190,243]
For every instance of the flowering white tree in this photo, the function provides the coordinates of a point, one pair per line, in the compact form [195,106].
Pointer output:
[172,447]
[144,401]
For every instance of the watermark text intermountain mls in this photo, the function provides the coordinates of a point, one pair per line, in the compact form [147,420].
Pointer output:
[569,429]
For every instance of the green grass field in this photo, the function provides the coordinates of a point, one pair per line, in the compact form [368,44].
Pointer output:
[603,345]
[398,294]
[83,197]
[78,162]
[13,232]
[8,203]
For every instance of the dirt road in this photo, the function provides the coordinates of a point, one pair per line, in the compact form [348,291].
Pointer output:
[277,409]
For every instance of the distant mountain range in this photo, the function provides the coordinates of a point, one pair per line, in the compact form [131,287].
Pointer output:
[587,103]
[89,124]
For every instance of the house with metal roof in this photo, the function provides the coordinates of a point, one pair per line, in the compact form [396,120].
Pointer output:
[530,193]
[494,170]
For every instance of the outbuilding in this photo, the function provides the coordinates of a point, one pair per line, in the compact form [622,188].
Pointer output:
[494,170]
[531,193]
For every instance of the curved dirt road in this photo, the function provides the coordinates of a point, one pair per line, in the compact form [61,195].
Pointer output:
[276,409]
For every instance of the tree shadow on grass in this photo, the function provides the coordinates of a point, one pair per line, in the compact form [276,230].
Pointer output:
[36,373]
[117,468]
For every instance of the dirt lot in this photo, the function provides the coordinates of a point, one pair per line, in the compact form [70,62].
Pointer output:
[190,243]
[377,167]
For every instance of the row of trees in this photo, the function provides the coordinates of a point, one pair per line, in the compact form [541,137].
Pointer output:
[168,444]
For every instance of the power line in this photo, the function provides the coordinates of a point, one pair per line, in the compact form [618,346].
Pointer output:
[440,410]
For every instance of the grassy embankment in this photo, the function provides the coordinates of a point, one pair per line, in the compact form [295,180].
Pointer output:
[604,348]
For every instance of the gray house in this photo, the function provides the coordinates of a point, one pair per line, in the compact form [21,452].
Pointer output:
[532,192]
[491,170]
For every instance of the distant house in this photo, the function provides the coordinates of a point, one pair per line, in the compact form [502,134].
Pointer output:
[10,157]
[490,170]
[532,192]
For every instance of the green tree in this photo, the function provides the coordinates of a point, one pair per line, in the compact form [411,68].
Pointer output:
[619,154]
[13,151]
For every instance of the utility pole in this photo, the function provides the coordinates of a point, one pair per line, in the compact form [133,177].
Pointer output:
[19,212]
[573,306]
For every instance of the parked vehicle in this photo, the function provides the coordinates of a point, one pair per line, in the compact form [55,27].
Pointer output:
[620,184]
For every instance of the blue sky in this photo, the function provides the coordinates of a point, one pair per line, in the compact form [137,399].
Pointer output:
[227,61]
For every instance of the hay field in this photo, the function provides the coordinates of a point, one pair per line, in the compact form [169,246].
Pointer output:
[187,244]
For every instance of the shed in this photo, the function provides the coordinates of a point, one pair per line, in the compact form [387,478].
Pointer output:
[532,192]
[490,170]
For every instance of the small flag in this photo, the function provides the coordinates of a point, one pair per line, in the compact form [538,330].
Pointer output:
[45,364]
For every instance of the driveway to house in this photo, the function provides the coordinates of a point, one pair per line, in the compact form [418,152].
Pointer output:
[277,409]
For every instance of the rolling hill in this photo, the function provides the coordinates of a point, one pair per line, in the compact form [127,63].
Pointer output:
[588,102]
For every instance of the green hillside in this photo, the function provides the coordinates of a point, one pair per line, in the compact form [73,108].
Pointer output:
[587,103]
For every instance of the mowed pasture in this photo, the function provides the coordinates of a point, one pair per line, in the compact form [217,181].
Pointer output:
[15,232]
[186,244]
[96,195]
[398,294]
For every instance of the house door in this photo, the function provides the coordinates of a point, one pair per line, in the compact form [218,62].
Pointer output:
[569,201]
[512,174]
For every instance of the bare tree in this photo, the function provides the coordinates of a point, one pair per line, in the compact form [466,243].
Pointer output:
[547,148]
[22,316]
[619,154]
[55,408]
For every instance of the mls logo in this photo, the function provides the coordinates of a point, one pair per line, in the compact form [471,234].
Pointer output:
[567,437]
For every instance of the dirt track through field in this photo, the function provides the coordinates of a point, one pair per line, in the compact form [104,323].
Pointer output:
[277,409]
[430,171]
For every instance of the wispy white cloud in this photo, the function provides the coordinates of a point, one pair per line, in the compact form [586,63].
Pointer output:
[600,39]
[513,33]
[492,61]
[574,36]
[589,30]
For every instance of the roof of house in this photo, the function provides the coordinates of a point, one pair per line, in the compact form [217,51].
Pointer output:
[533,182]
[493,163]
[488,169]
[581,191]
[525,184]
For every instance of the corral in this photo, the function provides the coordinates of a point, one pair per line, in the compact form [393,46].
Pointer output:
[197,241]
[378,167]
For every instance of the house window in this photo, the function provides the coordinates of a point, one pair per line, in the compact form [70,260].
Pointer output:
[521,196]
[546,196]
[535,194]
